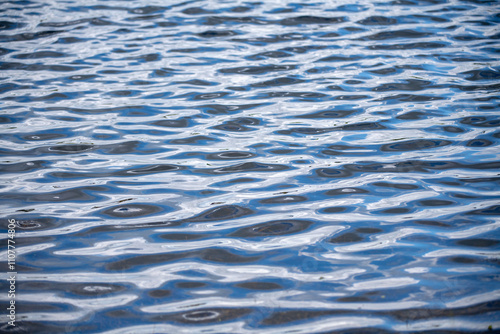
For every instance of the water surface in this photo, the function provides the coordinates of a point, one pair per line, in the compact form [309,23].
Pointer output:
[252,167]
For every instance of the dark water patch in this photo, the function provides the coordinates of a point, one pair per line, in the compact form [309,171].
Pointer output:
[369,230]
[334,209]
[351,97]
[119,148]
[8,25]
[219,213]
[173,123]
[22,167]
[453,129]
[124,93]
[431,223]
[334,173]
[411,98]
[284,199]
[353,299]
[150,57]
[414,145]
[237,180]
[33,241]
[404,33]
[197,82]
[194,140]
[140,170]
[377,20]
[225,256]
[473,88]
[284,151]
[190,285]
[290,316]
[46,136]
[272,39]
[306,19]
[13,66]
[232,20]
[29,36]
[245,167]
[206,316]
[147,170]
[361,126]
[303,96]
[260,286]
[208,254]
[126,228]
[35,223]
[399,186]
[481,122]
[432,313]
[366,126]
[69,149]
[80,194]
[338,58]
[283,81]
[482,74]
[493,210]
[407,85]
[395,211]
[478,243]
[224,155]
[219,109]
[462,260]
[238,124]
[269,54]
[162,73]
[201,49]
[240,9]
[196,11]
[126,111]
[40,54]
[339,147]
[159,293]
[387,71]
[148,10]
[463,196]
[131,210]
[409,46]
[151,18]
[253,70]
[479,143]
[68,23]
[349,237]
[143,260]
[71,40]
[34,327]
[273,228]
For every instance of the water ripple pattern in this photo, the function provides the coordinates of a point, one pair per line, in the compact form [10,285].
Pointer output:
[252,167]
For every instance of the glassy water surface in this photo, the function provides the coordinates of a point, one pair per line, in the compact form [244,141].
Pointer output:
[252,167]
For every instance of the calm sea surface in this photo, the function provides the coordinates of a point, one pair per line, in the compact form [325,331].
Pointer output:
[251,167]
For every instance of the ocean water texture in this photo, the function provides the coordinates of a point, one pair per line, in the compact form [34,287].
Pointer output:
[251,166]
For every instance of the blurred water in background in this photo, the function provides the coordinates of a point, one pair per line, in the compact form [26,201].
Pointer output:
[252,167]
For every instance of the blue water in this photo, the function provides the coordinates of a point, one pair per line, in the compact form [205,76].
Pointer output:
[251,167]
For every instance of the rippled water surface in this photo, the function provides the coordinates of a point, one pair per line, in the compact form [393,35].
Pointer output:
[252,167]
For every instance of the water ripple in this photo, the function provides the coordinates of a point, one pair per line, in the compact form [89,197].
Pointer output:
[244,167]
